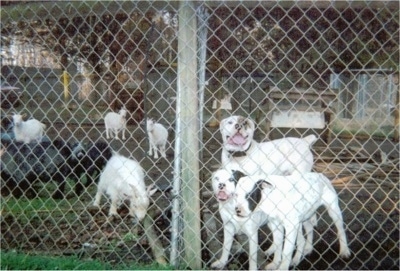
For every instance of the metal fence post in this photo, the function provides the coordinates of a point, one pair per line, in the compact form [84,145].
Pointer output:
[187,135]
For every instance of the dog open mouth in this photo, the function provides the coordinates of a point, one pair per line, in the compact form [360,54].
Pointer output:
[240,215]
[237,139]
[222,196]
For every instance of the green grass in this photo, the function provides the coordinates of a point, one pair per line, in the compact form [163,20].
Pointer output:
[12,260]
[23,205]
[43,203]
[33,211]
[26,209]
[43,206]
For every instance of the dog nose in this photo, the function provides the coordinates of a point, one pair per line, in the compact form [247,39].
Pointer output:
[221,186]
[238,126]
[237,209]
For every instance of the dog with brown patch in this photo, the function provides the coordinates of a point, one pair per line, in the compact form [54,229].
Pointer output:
[279,157]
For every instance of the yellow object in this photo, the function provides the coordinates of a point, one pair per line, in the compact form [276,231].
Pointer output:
[66,85]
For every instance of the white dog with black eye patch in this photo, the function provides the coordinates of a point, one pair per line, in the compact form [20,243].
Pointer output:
[281,157]
[224,186]
[288,201]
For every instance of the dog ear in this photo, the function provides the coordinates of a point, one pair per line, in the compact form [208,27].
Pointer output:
[265,185]
[236,175]
[254,196]
[222,124]
[245,122]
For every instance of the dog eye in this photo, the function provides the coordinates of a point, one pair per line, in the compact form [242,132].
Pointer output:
[230,122]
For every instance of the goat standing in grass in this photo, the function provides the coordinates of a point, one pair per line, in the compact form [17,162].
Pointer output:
[27,131]
[115,122]
[158,136]
[123,179]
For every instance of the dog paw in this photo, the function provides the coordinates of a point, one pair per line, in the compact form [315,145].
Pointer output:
[272,266]
[296,259]
[307,249]
[271,250]
[218,265]
[345,253]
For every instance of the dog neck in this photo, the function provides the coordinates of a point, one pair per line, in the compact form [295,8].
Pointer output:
[239,153]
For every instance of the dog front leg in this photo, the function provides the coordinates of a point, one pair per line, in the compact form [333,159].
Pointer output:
[277,244]
[226,248]
[291,231]
[274,230]
[253,248]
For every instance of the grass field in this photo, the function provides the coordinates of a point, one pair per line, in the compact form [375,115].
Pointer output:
[12,260]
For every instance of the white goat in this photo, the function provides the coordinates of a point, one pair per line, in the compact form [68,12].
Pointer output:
[158,136]
[27,131]
[115,122]
[123,179]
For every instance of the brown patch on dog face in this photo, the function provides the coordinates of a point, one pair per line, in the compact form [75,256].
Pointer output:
[244,123]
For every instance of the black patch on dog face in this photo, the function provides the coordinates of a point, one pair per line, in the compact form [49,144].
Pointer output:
[236,175]
[254,196]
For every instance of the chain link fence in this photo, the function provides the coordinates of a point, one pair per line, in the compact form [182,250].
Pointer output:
[296,68]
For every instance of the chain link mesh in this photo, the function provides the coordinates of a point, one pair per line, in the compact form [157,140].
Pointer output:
[296,68]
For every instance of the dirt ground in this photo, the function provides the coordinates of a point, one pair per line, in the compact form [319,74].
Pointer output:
[369,204]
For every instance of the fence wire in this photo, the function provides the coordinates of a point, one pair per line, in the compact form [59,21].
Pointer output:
[295,68]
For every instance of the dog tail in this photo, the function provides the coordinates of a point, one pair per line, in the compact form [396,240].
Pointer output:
[310,139]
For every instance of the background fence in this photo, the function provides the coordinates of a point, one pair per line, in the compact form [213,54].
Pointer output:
[296,68]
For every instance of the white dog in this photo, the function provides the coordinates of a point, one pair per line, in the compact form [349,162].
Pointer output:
[224,186]
[123,179]
[158,136]
[287,201]
[280,157]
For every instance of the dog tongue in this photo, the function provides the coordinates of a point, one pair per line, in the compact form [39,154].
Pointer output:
[238,139]
[222,196]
